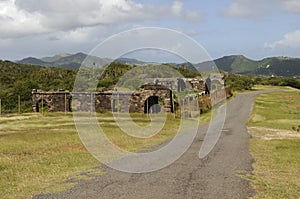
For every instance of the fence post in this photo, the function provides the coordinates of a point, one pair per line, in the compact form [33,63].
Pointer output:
[19,104]
[65,103]
[42,104]
[173,105]
[147,110]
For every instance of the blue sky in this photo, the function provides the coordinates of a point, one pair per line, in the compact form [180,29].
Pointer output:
[254,28]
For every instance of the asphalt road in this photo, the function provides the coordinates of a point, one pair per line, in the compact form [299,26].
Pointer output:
[215,176]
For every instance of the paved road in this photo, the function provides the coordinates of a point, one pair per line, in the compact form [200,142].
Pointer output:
[189,177]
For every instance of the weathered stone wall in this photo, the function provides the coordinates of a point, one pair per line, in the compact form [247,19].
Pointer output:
[219,95]
[115,101]
[56,101]
[180,84]
[64,101]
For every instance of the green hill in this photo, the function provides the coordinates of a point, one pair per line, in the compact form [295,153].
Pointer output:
[279,66]
[20,79]
[64,60]
[239,64]
[234,64]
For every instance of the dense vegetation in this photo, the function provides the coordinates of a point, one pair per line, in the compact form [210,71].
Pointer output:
[239,82]
[277,81]
[19,80]
[246,82]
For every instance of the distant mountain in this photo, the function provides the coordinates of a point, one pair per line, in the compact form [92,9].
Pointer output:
[55,58]
[33,61]
[130,61]
[234,64]
[187,66]
[279,66]
[65,60]
[239,64]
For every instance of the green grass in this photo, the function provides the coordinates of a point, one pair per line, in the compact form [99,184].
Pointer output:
[38,153]
[276,170]
[279,110]
[277,160]
[269,87]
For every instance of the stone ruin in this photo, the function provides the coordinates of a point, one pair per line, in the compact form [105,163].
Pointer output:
[158,91]
[65,101]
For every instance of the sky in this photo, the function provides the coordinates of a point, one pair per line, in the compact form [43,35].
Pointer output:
[253,28]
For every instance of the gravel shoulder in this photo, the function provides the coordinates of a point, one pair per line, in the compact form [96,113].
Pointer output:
[215,176]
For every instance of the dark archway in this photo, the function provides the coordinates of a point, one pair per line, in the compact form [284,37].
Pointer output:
[152,105]
[42,105]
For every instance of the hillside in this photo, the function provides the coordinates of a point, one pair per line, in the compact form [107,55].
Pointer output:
[64,60]
[20,79]
[238,64]
[279,66]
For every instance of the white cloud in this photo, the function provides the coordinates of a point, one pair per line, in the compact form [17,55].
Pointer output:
[177,8]
[257,8]
[245,9]
[292,6]
[291,40]
[15,22]
[178,11]
[25,17]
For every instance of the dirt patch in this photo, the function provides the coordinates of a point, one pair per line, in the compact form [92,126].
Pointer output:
[19,117]
[271,134]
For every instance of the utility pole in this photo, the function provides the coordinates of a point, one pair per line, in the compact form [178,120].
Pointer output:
[0,107]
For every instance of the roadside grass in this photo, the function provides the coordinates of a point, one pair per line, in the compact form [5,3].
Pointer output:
[279,110]
[275,145]
[37,153]
[269,87]
[43,153]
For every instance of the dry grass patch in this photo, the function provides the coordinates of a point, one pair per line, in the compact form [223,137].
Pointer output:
[275,145]
[271,134]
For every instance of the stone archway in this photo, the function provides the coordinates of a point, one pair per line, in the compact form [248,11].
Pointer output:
[152,105]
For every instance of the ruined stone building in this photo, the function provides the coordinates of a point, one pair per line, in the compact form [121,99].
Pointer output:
[159,91]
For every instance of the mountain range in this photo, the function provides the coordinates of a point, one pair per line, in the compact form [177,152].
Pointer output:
[238,64]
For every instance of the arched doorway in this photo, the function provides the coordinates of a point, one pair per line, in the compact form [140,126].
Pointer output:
[152,105]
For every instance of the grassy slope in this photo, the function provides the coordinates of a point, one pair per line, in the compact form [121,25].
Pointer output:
[275,146]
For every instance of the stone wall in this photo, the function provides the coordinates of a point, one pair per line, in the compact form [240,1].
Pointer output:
[53,101]
[140,101]
[65,101]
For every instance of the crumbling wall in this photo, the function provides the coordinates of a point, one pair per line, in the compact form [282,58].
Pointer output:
[53,101]
[115,101]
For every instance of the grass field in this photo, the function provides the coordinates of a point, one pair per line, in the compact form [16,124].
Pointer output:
[275,145]
[39,153]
